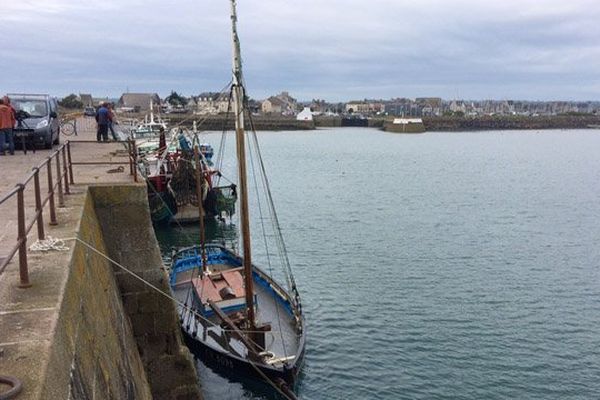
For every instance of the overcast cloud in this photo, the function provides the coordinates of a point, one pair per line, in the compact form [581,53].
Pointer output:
[335,49]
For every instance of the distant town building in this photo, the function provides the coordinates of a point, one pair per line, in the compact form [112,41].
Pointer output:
[282,103]
[272,105]
[429,106]
[458,107]
[139,102]
[86,99]
[319,106]
[365,107]
[209,103]
[399,107]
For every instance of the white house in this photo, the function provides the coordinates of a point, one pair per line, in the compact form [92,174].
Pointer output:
[305,115]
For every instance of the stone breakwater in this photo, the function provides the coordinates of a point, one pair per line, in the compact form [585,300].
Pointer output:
[451,124]
[509,122]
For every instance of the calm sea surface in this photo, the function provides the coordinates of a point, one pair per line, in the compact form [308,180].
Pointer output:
[438,266]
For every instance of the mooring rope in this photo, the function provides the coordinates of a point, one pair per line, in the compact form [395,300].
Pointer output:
[49,244]
[144,281]
[15,384]
[189,309]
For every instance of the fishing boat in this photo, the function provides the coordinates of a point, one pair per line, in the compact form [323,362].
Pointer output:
[172,194]
[150,128]
[235,316]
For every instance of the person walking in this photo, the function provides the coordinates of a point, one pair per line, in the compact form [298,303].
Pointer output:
[111,121]
[102,119]
[7,123]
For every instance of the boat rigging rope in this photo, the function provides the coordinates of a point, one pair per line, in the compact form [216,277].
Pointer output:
[221,152]
[187,236]
[276,228]
[152,286]
[191,310]
[264,233]
[180,227]
[15,384]
[220,94]
[274,219]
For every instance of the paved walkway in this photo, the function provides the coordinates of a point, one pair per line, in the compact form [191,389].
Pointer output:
[27,316]
[16,168]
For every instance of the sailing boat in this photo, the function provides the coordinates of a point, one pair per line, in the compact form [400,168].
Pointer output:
[234,315]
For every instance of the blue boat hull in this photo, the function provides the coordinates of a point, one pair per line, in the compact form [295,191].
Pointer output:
[273,299]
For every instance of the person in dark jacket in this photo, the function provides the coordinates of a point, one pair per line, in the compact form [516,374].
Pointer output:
[102,119]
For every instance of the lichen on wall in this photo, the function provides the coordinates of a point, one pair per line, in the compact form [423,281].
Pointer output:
[116,337]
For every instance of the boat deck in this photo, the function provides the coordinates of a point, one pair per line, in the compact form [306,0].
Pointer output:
[282,340]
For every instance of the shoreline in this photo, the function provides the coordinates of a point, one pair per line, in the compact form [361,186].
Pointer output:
[492,123]
[432,124]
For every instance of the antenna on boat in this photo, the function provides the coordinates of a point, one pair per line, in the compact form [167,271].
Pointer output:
[151,111]
[238,100]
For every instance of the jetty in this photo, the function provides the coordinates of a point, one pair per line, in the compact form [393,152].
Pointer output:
[404,125]
[85,310]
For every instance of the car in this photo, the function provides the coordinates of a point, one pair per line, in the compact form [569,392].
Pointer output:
[89,112]
[37,117]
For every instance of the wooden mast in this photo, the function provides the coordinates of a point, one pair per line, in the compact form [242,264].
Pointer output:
[238,106]
[199,176]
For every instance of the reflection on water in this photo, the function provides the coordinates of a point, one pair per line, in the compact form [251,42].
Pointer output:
[177,236]
[437,266]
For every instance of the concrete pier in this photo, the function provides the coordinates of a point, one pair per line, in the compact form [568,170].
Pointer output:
[88,328]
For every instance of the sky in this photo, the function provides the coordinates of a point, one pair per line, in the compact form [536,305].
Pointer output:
[337,50]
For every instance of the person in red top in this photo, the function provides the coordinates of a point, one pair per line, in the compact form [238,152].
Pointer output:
[7,102]
[7,123]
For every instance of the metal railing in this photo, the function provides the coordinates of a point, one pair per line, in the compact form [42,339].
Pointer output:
[59,174]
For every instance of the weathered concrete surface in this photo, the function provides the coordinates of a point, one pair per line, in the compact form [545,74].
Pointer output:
[125,222]
[93,353]
[72,332]
[15,168]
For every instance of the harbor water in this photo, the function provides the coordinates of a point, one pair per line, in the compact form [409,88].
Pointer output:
[436,266]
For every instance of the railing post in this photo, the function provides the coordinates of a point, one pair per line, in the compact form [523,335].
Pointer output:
[38,204]
[70,162]
[134,162]
[51,193]
[61,199]
[129,148]
[65,170]
[22,239]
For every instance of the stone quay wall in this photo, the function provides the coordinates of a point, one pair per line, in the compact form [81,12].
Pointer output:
[130,241]
[115,337]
